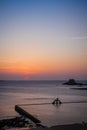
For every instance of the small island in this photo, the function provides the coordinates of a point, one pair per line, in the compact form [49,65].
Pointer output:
[73,82]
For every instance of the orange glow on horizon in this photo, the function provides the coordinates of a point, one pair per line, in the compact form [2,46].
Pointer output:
[44,67]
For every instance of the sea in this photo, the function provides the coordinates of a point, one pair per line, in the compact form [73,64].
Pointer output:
[36,97]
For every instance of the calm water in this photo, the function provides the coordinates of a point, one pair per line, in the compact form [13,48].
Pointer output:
[28,92]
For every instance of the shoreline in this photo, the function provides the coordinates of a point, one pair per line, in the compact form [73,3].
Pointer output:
[72,126]
[76,126]
[26,118]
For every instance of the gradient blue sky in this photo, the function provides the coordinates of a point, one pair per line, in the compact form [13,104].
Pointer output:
[43,39]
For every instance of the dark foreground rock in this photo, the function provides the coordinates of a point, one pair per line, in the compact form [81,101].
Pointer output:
[18,122]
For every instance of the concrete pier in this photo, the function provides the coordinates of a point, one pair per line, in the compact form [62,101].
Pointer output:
[26,114]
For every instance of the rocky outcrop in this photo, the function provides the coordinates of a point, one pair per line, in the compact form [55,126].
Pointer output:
[73,82]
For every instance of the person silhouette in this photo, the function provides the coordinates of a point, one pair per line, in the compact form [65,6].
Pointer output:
[57,101]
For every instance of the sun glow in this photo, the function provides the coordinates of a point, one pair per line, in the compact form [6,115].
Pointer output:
[26,77]
[43,67]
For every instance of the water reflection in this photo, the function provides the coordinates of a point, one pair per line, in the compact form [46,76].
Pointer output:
[60,114]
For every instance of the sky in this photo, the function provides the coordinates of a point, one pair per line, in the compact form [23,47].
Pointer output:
[43,39]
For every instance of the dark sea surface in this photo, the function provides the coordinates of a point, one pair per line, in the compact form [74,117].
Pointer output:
[73,109]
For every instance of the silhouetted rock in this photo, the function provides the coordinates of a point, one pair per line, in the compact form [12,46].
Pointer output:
[70,82]
[73,82]
[18,122]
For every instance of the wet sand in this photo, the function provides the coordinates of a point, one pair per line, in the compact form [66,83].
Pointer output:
[82,126]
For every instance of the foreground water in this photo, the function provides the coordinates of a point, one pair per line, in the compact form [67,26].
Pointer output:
[30,92]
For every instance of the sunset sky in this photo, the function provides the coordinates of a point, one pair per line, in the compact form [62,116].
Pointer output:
[43,39]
